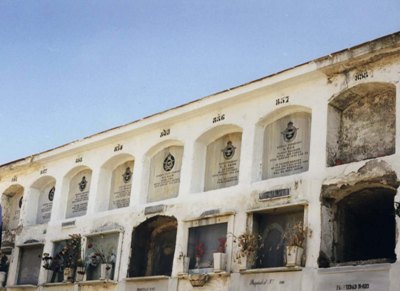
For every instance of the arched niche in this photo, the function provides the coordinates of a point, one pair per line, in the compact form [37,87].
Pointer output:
[217,158]
[361,123]
[115,187]
[41,200]
[11,204]
[286,142]
[79,180]
[153,247]
[165,171]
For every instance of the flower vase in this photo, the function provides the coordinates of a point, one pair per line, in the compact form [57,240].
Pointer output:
[219,262]
[185,263]
[293,256]
[68,275]
[3,276]
[197,266]
[80,273]
[105,271]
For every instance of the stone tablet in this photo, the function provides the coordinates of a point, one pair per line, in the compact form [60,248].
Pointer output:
[45,203]
[79,194]
[223,161]
[287,145]
[121,186]
[15,209]
[371,278]
[165,173]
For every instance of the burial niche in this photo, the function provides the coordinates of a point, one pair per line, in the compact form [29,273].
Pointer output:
[223,162]
[29,264]
[287,145]
[101,249]
[11,202]
[121,185]
[165,173]
[203,242]
[78,196]
[153,247]
[270,227]
[45,189]
[364,227]
[361,123]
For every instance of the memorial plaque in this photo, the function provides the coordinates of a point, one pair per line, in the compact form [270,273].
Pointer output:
[121,185]
[274,194]
[15,209]
[165,173]
[354,278]
[280,281]
[223,161]
[79,194]
[45,203]
[287,145]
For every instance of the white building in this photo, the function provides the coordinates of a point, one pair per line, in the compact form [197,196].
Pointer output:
[314,144]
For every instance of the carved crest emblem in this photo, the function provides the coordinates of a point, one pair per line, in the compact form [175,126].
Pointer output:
[20,202]
[127,175]
[289,134]
[51,193]
[82,184]
[169,163]
[229,151]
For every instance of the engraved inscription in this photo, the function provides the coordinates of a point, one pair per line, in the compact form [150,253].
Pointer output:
[118,147]
[218,118]
[358,286]
[223,162]
[360,76]
[14,179]
[165,132]
[286,145]
[274,194]
[44,171]
[78,160]
[282,100]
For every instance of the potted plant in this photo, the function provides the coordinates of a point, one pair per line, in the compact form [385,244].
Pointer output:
[3,268]
[219,257]
[70,256]
[247,247]
[54,265]
[294,237]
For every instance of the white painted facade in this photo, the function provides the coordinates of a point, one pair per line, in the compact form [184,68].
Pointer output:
[246,109]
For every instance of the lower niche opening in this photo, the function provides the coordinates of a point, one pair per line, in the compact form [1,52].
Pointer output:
[153,247]
[365,227]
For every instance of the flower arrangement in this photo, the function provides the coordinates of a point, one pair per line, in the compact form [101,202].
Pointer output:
[199,250]
[295,234]
[68,258]
[248,245]
[221,245]
[98,255]
[72,251]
